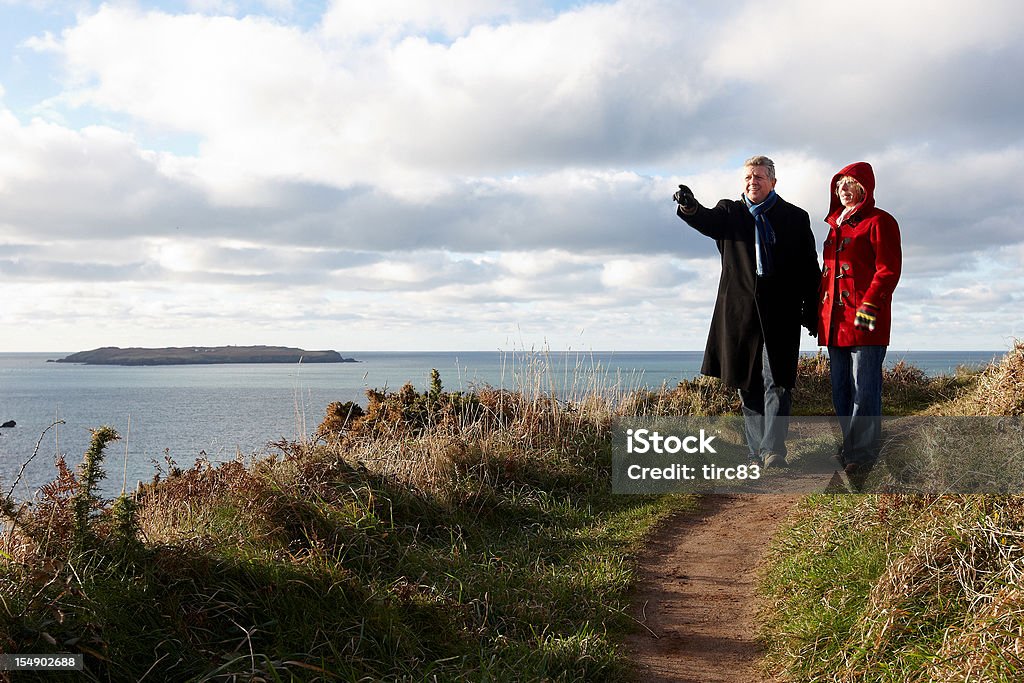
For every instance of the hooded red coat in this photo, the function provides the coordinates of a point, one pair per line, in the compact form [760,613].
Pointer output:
[862,263]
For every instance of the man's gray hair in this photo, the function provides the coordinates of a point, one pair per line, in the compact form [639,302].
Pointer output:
[764,162]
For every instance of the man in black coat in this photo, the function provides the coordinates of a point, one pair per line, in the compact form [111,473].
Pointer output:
[768,288]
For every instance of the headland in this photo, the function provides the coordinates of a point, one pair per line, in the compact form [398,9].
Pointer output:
[202,355]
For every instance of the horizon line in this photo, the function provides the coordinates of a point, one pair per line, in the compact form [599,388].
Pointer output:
[889,352]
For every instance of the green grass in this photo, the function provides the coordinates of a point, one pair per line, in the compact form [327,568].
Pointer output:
[903,588]
[822,570]
[883,588]
[443,555]
[473,537]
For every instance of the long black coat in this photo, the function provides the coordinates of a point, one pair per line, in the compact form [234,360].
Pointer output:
[752,310]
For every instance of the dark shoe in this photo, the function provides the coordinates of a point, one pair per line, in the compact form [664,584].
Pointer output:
[854,474]
[840,458]
[755,459]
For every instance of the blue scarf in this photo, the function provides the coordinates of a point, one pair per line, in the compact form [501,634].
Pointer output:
[764,236]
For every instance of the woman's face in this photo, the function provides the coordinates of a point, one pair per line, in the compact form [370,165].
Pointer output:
[850,192]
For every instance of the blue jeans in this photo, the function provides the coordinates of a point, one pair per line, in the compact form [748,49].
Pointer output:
[766,412]
[857,398]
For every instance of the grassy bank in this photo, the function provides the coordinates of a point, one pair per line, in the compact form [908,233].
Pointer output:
[431,536]
[906,588]
[427,536]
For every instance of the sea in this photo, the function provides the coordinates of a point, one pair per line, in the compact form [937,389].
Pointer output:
[170,416]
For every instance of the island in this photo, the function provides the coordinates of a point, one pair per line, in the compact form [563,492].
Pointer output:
[201,355]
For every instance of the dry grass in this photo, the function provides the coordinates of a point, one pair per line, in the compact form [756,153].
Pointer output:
[899,588]
[425,535]
[996,390]
[960,556]
[429,532]
[914,588]
[987,642]
[989,646]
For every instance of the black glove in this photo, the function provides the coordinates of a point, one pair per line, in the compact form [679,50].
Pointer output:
[684,198]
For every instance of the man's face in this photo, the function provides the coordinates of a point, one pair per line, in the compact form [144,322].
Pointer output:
[757,185]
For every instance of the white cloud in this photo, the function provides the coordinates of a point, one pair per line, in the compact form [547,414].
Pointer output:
[906,73]
[212,6]
[393,114]
[464,168]
[389,19]
[642,273]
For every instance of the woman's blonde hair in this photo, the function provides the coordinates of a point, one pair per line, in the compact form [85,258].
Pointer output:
[849,179]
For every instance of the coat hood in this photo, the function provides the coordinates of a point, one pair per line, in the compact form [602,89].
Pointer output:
[861,170]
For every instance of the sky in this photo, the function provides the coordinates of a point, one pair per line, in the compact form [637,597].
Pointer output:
[484,175]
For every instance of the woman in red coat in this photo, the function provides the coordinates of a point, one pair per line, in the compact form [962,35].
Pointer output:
[863,259]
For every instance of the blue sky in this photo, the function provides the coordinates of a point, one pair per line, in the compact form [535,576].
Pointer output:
[482,174]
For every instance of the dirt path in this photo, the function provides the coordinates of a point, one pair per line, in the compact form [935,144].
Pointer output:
[696,592]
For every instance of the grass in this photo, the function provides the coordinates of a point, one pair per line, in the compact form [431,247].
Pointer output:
[882,588]
[473,536]
[907,587]
[435,536]
[906,389]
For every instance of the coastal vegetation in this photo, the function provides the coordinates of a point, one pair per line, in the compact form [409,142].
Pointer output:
[463,537]
[916,588]
[443,535]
